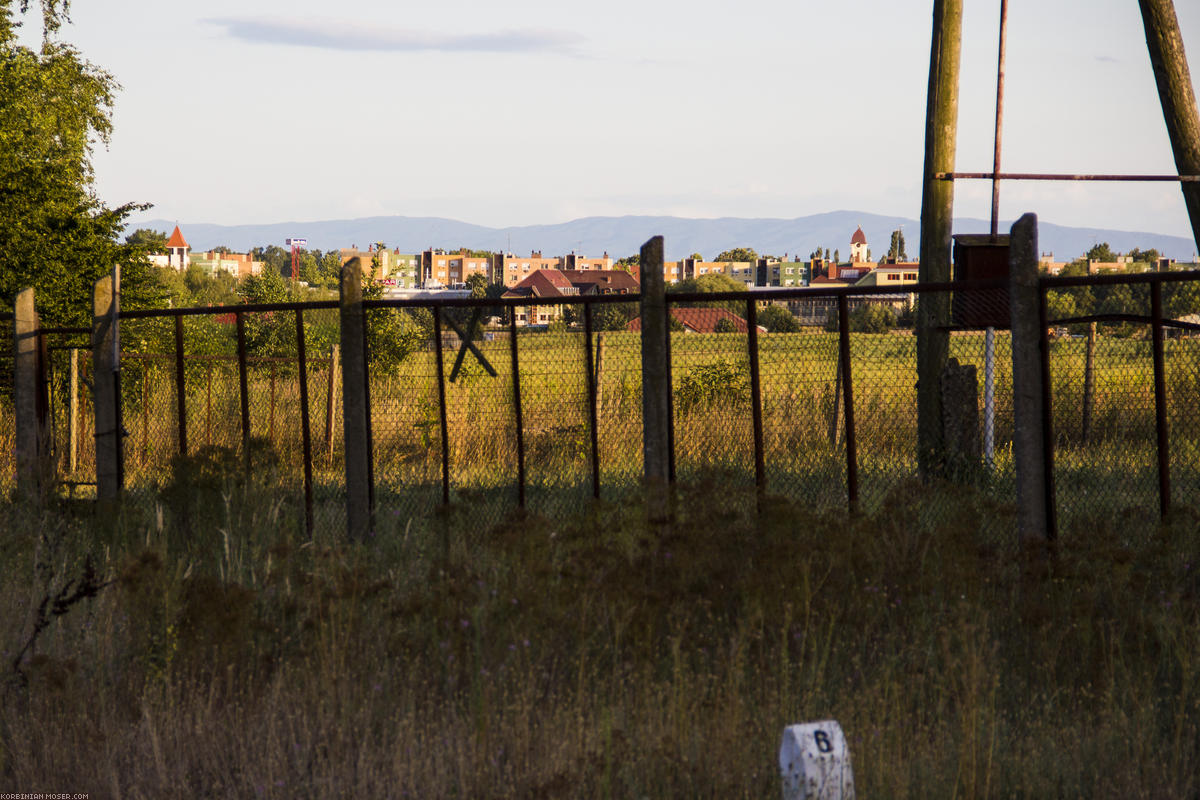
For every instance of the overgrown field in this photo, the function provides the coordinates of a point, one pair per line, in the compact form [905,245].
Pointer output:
[591,655]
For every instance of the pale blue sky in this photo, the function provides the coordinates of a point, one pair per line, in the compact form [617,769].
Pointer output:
[540,111]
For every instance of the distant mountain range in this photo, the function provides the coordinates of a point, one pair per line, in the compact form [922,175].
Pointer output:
[622,236]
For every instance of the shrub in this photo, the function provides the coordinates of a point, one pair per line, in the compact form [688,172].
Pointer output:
[706,385]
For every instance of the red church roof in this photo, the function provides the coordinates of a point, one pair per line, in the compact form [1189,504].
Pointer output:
[859,237]
[177,239]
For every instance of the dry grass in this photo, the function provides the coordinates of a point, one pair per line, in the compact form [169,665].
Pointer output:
[594,656]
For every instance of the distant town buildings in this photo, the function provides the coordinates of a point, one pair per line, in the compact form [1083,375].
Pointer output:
[179,257]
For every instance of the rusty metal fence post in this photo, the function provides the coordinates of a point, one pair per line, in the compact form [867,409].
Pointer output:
[516,387]
[760,468]
[1160,401]
[848,403]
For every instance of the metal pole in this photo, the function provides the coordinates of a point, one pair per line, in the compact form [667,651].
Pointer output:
[848,402]
[1051,507]
[243,388]
[305,432]
[368,425]
[180,388]
[445,431]
[516,380]
[760,469]
[989,397]
[999,123]
[73,410]
[1160,402]
[591,390]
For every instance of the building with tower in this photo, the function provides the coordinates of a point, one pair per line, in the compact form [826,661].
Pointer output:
[858,247]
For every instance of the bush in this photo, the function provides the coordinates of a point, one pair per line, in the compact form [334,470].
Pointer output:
[872,318]
[708,384]
[777,319]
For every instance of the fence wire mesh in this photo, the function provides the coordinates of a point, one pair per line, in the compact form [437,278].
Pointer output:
[217,460]
[1103,392]
[579,433]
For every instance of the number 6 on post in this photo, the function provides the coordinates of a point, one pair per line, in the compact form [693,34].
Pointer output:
[815,762]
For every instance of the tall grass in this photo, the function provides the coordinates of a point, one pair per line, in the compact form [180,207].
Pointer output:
[592,655]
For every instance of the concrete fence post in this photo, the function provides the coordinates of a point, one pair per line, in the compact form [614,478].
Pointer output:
[1029,420]
[354,402]
[656,388]
[105,366]
[34,463]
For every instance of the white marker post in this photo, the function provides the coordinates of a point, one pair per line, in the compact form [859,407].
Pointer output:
[815,762]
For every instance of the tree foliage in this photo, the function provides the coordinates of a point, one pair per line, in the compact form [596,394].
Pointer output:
[738,254]
[1101,252]
[777,319]
[55,233]
[872,318]
[712,283]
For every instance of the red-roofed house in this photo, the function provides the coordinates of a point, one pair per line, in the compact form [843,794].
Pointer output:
[541,283]
[566,283]
[702,320]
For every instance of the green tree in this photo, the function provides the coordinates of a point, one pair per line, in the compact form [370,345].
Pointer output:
[55,234]
[837,257]
[146,240]
[896,248]
[712,283]
[724,325]
[219,289]
[777,319]
[478,284]
[696,257]
[872,318]
[738,254]
[1150,256]
[1101,252]
[1060,305]
[269,333]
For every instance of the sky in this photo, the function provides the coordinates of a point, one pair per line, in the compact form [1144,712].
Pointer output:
[543,111]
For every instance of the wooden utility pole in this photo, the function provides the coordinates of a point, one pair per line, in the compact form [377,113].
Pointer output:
[937,213]
[1176,95]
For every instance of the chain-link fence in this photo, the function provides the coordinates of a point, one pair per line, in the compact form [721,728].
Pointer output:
[217,405]
[1125,379]
[483,406]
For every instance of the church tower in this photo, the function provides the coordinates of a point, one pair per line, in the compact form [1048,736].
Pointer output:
[858,247]
[177,251]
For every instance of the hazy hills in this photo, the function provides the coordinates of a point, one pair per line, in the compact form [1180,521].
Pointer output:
[622,236]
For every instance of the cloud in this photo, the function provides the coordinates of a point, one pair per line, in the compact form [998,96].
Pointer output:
[1108,59]
[358,37]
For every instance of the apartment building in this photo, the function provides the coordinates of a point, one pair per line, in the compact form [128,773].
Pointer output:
[441,268]
[395,268]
